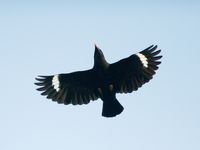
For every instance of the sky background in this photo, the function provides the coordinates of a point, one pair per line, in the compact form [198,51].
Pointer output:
[50,37]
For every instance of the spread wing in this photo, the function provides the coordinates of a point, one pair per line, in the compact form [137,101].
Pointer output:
[130,73]
[72,88]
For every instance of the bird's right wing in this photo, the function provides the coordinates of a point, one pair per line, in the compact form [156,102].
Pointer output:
[129,74]
[72,88]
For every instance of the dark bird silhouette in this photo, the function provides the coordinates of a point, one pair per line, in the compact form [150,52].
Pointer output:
[103,81]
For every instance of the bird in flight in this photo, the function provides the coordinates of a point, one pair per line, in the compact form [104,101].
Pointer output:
[103,81]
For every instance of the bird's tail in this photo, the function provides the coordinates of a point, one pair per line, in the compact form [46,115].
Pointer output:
[112,108]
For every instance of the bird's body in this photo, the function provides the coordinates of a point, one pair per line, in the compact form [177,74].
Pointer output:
[103,81]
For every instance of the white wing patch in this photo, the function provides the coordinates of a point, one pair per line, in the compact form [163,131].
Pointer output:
[56,83]
[143,59]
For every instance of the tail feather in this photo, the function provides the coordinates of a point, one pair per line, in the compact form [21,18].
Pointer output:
[112,108]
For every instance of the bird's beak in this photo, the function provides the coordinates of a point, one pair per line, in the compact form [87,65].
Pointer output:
[96,48]
[95,45]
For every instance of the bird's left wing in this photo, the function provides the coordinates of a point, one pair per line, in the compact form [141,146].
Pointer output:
[129,74]
[72,88]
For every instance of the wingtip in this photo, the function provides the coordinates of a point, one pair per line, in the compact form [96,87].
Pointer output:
[40,79]
[42,76]
[39,84]
[36,84]
[151,46]
[38,89]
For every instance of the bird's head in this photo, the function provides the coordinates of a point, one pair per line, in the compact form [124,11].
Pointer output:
[98,54]
[99,59]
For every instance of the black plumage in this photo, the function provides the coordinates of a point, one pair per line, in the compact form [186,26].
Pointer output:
[103,81]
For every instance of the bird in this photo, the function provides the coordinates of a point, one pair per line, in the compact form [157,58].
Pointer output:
[103,81]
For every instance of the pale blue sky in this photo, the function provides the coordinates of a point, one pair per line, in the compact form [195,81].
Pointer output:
[50,37]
